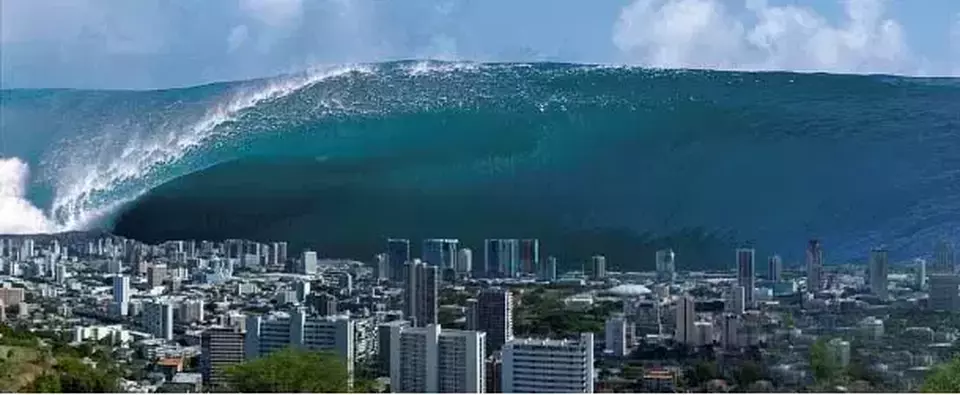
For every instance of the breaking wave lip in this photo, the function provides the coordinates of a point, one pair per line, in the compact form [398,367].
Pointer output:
[91,181]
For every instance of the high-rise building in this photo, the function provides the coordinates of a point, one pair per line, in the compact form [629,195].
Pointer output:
[157,318]
[616,335]
[279,330]
[384,346]
[548,270]
[945,260]
[156,274]
[774,268]
[189,311]
[441,253]
[420,293]
[324,304]
[501,258]
[666,265]
[548,365]
[920,273]
[435,360]
[598,267]
[281,248]
[308,262]
[746,273]
[814,266]
[381,268]
[220,348]
[464,261]
[529,255]
[492,313]
[736,299]
[11,296]
[302,288]
[839,351]
[686,332]
[944,292]
[878,273]
[121,295]
[398,253]
[730,327]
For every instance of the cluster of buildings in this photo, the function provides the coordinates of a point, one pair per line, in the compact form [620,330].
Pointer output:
[225,303]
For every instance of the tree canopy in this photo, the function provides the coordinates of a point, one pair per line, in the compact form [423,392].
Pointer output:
[821,362]
[291,370]
[944,378]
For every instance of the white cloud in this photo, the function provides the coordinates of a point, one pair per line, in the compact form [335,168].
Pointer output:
[238,36]
[706,34]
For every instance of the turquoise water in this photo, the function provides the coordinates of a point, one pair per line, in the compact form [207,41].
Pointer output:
[590,159]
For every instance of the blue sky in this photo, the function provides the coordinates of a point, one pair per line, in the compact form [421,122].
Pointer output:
[141,44]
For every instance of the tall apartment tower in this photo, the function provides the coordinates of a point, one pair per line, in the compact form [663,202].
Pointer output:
[220,348]
[464,261]
[814,266]
[440,252]
[774,268]
[548,270]
[398,254]
[435,360]
[420,293]
[598,267]
[279,330]
[945,259]
[548,365]
[746,273]
[878,273]
[686,332]
[158,319]
[666,265]
[308,263]
[615,329]
[121,295]
[492,313]
[529,256]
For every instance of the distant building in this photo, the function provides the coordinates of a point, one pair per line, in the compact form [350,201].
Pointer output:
[548,270]
[814,266]
[529,256]
[384,344]
[11,296]
[420,293]
[945,260]
[548,365]
[121,295]
[440,252]
[156,274]
[839,350]
[736,299]
[501,258]
[381,268]
[774,268]
[308,263]
[274,332]
[920,273]
[686,332]
[730,328]
[616,335]
[464,263]
[878,273]
[598,267]
[398,254]
[746,273]
[158,318]
[666,266]
[943,293]
[492,313]
[436,360]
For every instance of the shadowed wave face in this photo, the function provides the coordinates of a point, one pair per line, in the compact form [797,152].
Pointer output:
[590,160]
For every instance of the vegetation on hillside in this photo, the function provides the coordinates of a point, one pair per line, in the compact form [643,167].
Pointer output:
[31,363]
[294,370]
[944,379]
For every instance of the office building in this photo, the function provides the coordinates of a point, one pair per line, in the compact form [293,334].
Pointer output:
[190,311]
[464,261]
[398,254]
[704,333]
[492,313]
[736,299]
[157,319]
[441,253]
[302,288]
[121,295]
[308,263]
[529,256]
[814,266]
[616,339]
[944,292]
[548,365]
[435,360]
[548,270]
[598,267]
[279,330]
[920,273]
[945,258]
[420,293]
[878,273]
[774,268]
[323,303]
[156,274]
[501,258]
[746,273]
[381,267]
[686,331]
[666,266]
[11,296]
[730,328]
[220,348]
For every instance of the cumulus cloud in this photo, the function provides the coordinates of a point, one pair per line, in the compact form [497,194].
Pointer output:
[708,34]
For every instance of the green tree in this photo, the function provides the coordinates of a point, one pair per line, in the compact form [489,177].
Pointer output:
[291,370]
[77,376]
[700,373]
[944,378]
[822,364]
[748,373]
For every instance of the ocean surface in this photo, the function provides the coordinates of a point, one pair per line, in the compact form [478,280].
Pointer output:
[590,159]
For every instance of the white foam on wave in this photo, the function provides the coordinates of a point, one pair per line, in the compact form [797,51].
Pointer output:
[17,214]
[88,170]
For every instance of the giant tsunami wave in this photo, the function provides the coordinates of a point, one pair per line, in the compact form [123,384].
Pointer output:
[587,158]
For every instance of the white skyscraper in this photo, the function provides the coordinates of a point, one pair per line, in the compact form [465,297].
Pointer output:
[686,332]
[308,262]
[433,360]
[121,295]
[616,335]
[878,273]
[464,261]
[920,272]
[666,266]
[548,365]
